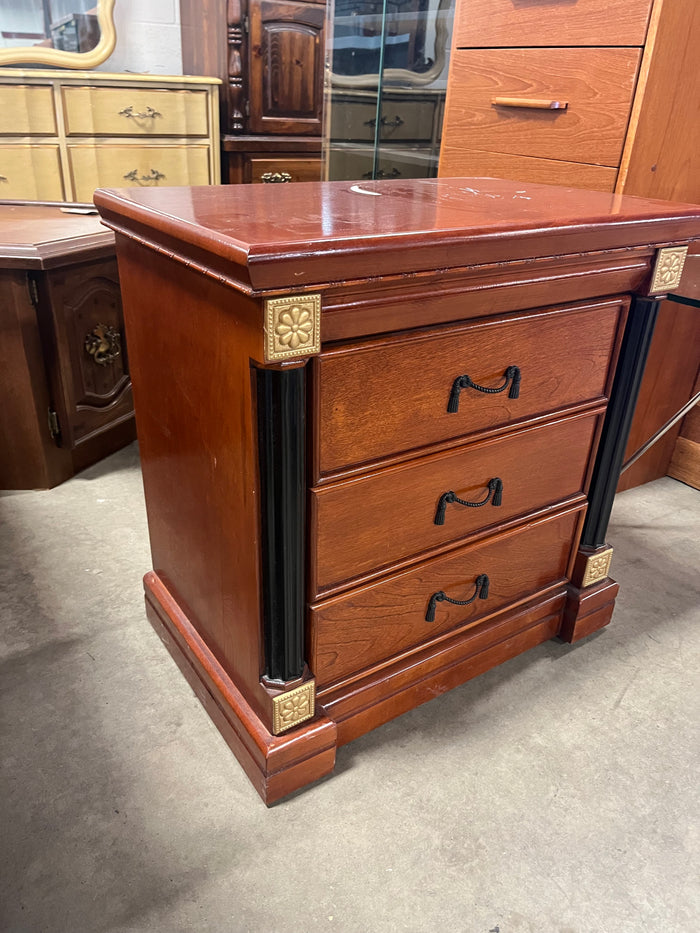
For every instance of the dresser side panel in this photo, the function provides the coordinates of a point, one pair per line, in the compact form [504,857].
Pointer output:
[191,341]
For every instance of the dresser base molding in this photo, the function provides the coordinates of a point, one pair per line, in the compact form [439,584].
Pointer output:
[588,610]
[276,765]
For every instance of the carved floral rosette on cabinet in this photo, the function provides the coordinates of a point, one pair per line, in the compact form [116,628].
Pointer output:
[389,484]
[62,134]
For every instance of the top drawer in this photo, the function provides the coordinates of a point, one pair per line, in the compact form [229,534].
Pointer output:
[109,111]
[503,23]
[27,110]
[388,397]
[499,101]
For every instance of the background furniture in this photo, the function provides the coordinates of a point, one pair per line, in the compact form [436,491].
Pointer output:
[64,374]
[464,370]
[63,134]
[269,55]
[627,73]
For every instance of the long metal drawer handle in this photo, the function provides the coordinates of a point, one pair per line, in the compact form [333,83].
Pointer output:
[530,103]
[133,175]
[511,376]
[494,495]
[269,178]
[148,114]
[481,591]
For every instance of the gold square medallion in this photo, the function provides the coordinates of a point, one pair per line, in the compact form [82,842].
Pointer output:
[292,327]
[597,567]
[289,709]
[668,268]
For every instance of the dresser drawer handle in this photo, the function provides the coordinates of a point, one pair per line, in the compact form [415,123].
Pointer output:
[153,175]
[148,114]
[530,103]
[481,591]
[397,121]
[494,495]
[511,377]
[275,178]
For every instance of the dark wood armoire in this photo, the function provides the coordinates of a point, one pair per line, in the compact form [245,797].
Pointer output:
[269,55]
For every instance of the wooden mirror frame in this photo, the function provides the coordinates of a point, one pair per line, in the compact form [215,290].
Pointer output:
[40,55]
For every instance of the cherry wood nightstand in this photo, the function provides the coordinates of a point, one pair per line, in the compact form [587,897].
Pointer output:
[381,426]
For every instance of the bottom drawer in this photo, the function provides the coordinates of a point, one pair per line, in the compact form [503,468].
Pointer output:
[114,166]
[30,173]
[375,623]
[456,162]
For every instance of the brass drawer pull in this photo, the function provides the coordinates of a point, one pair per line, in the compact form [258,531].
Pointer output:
[481,591]
[275,178]
[511,377]
[530,103]
[494,495]
[133,175]
[148,114]
[103,344]
[383,121]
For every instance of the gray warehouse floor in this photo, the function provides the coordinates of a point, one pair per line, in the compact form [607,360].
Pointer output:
[555,794]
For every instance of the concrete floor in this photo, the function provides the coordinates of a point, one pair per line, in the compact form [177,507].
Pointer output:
[555,794]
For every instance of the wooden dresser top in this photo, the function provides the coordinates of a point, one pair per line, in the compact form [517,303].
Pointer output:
[39,236]
[296,236]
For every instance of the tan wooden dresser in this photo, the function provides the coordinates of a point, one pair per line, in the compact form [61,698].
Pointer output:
[65,392]
[380,437]
[65,133]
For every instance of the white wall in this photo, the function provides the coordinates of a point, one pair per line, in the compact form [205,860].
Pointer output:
[148,38]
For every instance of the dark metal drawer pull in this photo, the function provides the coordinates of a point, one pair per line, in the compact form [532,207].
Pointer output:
[494,495]
[481,591]
[394,173]
[511,377]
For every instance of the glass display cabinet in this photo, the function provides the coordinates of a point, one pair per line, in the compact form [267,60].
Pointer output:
[385,89]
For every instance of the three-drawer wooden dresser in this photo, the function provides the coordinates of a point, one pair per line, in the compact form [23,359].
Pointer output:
[373,429]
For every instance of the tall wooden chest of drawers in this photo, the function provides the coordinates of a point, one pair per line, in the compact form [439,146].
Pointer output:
[369,417]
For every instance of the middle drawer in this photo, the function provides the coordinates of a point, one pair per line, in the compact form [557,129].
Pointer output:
[363,526]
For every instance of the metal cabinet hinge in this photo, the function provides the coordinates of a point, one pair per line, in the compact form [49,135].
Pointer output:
[246,24]
[33,291]
[54,426]
[247,108]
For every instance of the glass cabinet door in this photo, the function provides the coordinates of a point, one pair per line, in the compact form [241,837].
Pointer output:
[385,89]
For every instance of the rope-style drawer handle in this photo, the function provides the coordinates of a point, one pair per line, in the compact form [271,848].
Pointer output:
[494,495]
[148,114]
[481,591]
[511,378]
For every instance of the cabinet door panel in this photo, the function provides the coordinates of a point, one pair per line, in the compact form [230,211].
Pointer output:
[90,372]
[286,67]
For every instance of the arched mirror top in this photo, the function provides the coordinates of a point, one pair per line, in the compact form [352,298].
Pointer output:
[59,33]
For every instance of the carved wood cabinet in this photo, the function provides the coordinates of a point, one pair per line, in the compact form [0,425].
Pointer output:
[269,55]
[388,459]
[64,375]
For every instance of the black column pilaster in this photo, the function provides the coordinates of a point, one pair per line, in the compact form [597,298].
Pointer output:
[281,445]
[618,419]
